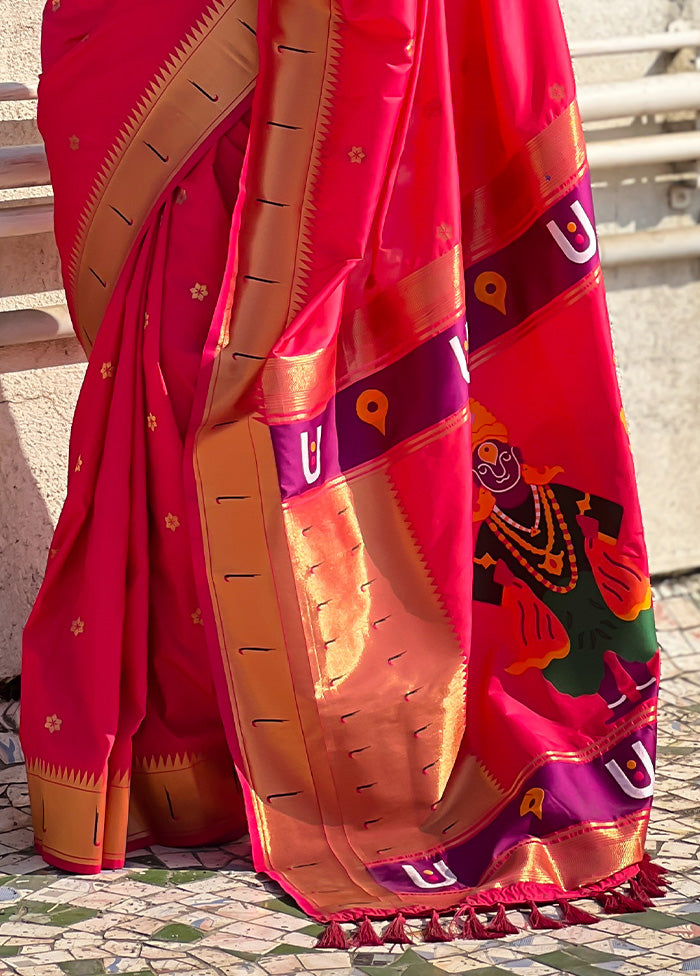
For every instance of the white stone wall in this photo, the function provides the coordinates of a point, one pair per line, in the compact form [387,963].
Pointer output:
[655,310]
[39,383]
[38,387]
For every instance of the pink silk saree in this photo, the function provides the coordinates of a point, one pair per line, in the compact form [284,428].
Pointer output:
[328,571]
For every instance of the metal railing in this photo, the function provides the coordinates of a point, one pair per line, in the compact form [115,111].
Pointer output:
[671,41]
[654,95]
[35,325]
[22,166]
[13,91]
[26,166]
[647,97]
[649,246]
[668,147]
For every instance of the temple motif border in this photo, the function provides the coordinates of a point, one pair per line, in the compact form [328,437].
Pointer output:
[210,73]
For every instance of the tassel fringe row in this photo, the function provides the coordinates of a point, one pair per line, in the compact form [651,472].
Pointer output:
[466,924]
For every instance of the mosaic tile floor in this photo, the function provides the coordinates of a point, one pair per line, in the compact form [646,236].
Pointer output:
[207,913]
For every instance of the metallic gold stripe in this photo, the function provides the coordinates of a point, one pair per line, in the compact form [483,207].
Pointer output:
[247,569]
[266,664]
[325,108]
[183,797]
[279,169]
[333,535]
[233,458]
[488,797]
[402,317]
[68,812]
[573,858]
[298,387]
[391,325]
[542,172]
[116,819]
[211,72]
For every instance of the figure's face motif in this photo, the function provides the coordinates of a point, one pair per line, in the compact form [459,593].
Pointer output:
[496,466]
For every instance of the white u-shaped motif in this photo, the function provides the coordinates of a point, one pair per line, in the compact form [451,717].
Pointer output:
[578,257]
[310,475]
[460,356]
[622,780]
[448,878]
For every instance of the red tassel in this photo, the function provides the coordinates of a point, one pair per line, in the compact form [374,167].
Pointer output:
[649,885]
[575,916]
[616,903]
[608,903]
[631,904]
[366,936]
[434,932]
[472,928]
[540,921]
[651,870]
[500,925]
[333,938]
[639,893]
[397,932]
[652,877]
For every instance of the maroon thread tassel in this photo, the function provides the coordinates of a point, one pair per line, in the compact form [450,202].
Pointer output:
[651,870]
[396,932]
[540,921]
[639,893]
[608,903]
[631,904]
[333,938]
[616,903]
[575,916]
[472,927]
[649,886]
[501,925]
[434,932]
[366,936]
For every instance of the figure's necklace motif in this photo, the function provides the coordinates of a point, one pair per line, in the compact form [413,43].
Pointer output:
[511,534]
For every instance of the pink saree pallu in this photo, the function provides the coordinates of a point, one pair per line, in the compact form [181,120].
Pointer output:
[329,570]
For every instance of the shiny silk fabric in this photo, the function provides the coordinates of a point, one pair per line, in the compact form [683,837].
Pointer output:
[328,568]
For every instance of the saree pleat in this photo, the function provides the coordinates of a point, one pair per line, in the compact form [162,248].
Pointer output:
[150,728]
[351,554]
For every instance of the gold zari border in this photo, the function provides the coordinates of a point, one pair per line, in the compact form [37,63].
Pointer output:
[211,72]
[387,328]
[184,799]
[542,172]
[68,812]
[401,317]
[489,797]
[84,819]
[572,858]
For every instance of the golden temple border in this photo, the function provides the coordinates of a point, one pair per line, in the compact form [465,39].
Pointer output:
[68,812]
[420,305]
[558,857]
[212,70]
[397,320]
[446,812]
[185,798]
[540,174]
[298,291]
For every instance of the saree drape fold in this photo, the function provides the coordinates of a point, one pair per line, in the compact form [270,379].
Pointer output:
[327,569]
